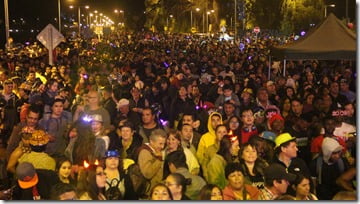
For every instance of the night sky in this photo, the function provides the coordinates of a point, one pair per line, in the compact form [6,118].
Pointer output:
[46,10]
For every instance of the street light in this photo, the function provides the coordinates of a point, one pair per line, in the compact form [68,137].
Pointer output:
[207,21]
[167,21]
[79,17]
[330,5]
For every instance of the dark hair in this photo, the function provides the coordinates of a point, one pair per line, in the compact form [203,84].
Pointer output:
[163,185]
[59,189]
[87,183]
[205,192]
[60,161]
[177,158]
[300,178]
[35,109]
[232,167]
[128,124]
[182,181]
[296,99]
[245,110]
[57,100]
[224,150]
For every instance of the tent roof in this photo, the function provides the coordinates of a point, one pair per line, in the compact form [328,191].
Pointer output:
[331,40]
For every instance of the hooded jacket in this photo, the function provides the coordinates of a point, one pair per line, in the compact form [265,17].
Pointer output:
[207,139]
[329,145]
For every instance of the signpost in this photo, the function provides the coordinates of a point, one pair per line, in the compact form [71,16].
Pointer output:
[50,37]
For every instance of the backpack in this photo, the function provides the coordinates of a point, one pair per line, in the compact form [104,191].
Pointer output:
[113,192]
[140,184]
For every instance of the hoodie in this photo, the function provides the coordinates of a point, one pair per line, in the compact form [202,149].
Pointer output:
[207,139]
[329,145]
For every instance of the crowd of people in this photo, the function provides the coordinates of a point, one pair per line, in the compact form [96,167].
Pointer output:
[155,116]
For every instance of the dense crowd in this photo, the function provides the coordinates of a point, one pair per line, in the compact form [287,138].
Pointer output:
[154,116]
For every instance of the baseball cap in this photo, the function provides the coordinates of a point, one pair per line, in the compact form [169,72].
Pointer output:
[123,102]
[112,153]
[283,138]
[278,172]
[26,174]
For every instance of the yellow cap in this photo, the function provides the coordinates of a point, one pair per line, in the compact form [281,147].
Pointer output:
[282,138]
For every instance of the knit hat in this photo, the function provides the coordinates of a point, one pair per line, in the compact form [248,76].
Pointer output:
[275,117]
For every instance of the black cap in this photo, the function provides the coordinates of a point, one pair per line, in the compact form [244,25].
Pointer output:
[278,172]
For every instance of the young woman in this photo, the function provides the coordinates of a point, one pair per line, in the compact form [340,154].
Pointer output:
[301,187]
[91,183]
[211,192]
[252,166]
[228,152]
[173,143]
[177,185]
[234,125]
[63,169]
[114,169]
[160,192]
[102,141]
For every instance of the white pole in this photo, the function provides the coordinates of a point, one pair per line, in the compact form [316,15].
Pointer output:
[6,9]
[59,15]
[284,67]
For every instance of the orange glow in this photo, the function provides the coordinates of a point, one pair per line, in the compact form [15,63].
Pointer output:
[230,132]
[86,165]
[96,162]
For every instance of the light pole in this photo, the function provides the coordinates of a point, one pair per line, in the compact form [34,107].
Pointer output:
[207,21]
[330,5]
[6,10]
[79,17]
[59,15]
[197,21]
[235,21]
[167,22]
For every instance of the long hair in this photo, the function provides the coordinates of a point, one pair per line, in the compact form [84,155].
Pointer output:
[84,145]
[163,185]
[224,150]
[259,164]
[87,183]
[182,181]
[205,192]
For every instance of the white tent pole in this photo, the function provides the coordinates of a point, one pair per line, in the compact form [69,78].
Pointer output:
[284,67]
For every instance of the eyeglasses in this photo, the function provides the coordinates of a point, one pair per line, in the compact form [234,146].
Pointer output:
[101,174]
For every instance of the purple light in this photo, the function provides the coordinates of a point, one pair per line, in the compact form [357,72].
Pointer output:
[163,122]
[241,46]
[197,107]
[87,118]
[302,33]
